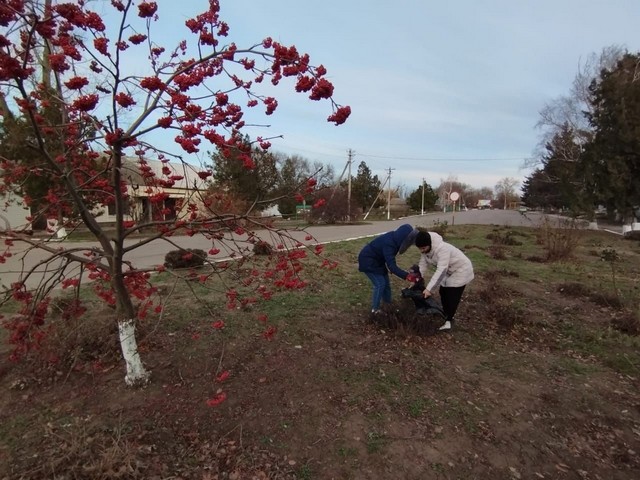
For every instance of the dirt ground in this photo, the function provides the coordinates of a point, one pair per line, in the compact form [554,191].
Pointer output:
[520,389]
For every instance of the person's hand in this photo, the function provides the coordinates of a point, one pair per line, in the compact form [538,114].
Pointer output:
[426,293]
[412,277]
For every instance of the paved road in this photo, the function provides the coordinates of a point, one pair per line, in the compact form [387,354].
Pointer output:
[471,217]
[153,253]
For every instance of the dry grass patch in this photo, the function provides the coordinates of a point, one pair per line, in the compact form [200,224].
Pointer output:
[533,382]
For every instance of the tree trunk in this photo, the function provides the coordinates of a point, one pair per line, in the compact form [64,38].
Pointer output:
[126,318]
[125,311]
[136,373]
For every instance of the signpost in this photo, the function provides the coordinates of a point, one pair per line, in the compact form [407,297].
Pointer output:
[454,196]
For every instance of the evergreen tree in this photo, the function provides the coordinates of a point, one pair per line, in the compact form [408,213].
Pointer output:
[613,156]
[245,172]
[365,187]
[293,172]
[563,181]
[414,200]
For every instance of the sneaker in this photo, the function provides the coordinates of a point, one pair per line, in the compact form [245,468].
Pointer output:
[446,327]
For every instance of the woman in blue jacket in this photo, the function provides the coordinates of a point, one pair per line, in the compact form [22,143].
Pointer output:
[378,258]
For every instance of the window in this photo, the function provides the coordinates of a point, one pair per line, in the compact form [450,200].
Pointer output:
[111,208]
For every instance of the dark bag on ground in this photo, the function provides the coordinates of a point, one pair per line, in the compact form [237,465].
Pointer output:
[424,306]
[423,316]
[427,316]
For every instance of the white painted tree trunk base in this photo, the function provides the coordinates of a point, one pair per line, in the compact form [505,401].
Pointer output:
[593,226]
[136,373]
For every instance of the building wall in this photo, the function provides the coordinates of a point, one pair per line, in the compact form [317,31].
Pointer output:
[140,207]
[13,215]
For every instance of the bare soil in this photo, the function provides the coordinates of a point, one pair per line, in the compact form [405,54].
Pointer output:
[534,382]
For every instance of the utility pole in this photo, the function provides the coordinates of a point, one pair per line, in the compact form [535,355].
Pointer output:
[389,194]
[376,199]
[422,196]
[351,154]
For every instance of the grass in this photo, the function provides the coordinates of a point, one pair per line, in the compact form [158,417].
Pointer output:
[375,442]
[417,407]
[535,362]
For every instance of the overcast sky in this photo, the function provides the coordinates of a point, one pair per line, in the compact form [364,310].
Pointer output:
[437,88]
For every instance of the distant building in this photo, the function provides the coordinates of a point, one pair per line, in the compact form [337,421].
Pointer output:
[398,207]
[272,211]
[13,214]
[140,207]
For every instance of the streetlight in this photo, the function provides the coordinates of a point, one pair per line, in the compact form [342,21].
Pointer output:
[422,196]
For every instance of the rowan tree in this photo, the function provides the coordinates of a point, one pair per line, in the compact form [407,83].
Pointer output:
[64,58]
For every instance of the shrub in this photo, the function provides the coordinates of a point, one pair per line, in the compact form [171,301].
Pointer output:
[628,322]
[71,341]
[507,238]
[262,248]
[497,252]
[559,241]
[440,227]
[218,200]
[632,235]
[610,300]
[404,318]
[185,258]
[574,289]
[331,206]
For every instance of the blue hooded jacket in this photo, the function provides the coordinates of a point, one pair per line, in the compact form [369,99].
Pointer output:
[379,256]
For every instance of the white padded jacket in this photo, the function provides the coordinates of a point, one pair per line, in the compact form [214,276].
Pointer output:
[453,268]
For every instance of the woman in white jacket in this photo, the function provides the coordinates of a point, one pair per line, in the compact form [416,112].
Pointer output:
[453,272]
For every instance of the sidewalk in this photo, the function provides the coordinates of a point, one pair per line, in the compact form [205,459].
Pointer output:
[610,227]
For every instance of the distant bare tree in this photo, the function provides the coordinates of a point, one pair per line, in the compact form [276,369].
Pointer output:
[571,111]
[451,184]
[402,190]
[506,190]
[473,195]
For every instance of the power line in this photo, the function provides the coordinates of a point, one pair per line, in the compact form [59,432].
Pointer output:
[421,159]
[425,159]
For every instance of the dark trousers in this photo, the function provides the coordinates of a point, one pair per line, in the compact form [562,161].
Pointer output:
[450,298]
